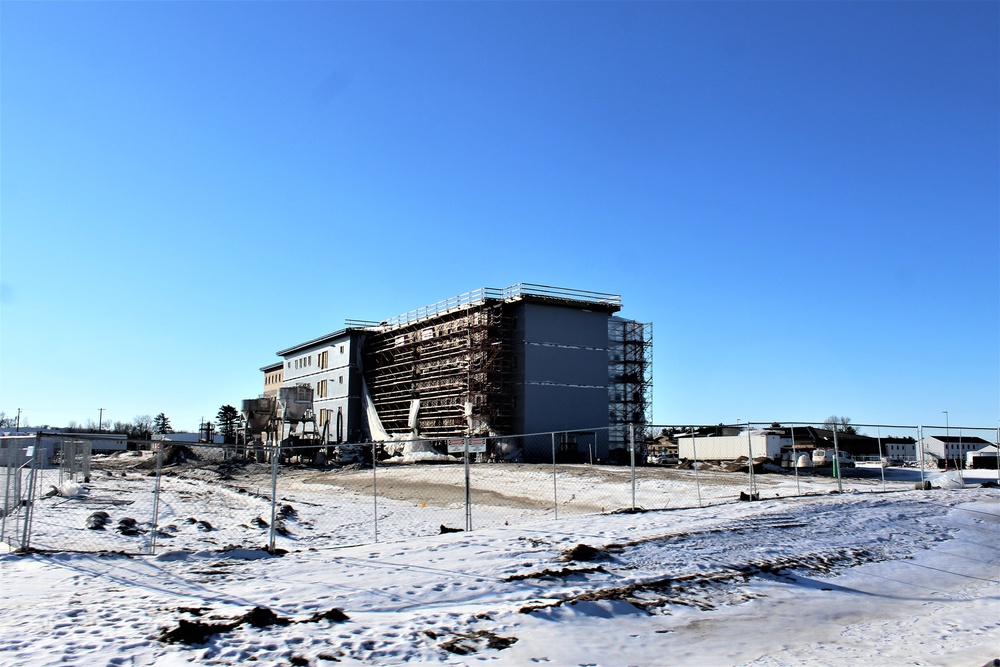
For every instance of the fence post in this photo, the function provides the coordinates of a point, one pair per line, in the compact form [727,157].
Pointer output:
[468,492]
[555,486]
[795,464]
[13,474]
[275,457]
[375,485]
[920,453]
[961,462]
[36,452]
[631,449]
[836,461]
[155,519]
[878,432]
[750,466]
[697,476]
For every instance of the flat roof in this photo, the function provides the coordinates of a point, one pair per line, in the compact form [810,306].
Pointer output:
[565,296]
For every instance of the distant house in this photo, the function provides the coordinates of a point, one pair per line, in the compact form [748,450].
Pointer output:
[47,445]
[860,447]
[662,446]
[951,450]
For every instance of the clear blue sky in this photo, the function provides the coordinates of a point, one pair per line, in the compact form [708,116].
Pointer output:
[804,198]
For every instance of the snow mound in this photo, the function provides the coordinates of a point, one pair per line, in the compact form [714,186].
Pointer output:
[948,480]
[72,490]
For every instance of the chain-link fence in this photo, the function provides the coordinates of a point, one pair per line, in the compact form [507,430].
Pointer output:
[157,497]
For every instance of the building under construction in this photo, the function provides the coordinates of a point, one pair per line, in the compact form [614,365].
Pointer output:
[522,359]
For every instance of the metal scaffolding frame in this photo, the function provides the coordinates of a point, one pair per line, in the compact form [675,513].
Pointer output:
[456,361]
[630,377]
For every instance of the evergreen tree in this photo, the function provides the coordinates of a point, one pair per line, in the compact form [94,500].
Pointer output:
[228,418]
[161,424]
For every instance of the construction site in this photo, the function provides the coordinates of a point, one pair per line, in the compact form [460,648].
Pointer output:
[494,361]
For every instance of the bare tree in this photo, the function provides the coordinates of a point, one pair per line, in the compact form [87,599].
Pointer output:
[840,424]
[142,427]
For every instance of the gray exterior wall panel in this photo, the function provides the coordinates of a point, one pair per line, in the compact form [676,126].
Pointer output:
[566,365]
[560,325]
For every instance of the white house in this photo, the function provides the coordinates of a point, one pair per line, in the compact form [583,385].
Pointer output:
[952,449]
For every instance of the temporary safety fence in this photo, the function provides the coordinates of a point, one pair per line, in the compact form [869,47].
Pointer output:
[197,496]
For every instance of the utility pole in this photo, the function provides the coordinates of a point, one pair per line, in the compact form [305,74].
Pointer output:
[17,427]
[100,418]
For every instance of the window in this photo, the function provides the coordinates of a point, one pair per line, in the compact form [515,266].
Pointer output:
[341,379]
[341,349]
[323,360]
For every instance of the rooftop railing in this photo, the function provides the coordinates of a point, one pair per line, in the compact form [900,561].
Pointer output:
[511,293]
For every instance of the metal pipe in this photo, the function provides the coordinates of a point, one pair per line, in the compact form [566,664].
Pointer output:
[29,508]
[275,457]
[156,496]
[631,447]
[878,433]
[697,476]
[920,453]
[836,461]
[375,485]
[555,487]
[468,489]
[795,464]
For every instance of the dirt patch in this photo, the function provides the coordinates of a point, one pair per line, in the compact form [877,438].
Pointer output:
[583,552]
[557,574]
[436,494]
[696,590]
[198,632]
[465,643]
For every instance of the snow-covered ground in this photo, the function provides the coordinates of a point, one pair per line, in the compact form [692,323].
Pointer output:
[911,577]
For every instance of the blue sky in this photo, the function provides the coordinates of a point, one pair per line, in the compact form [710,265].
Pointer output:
[803,198]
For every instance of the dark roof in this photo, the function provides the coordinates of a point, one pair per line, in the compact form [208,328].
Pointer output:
[963,439]
[272,367]
[336,335]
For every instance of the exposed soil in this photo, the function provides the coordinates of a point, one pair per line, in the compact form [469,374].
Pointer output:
[198,632]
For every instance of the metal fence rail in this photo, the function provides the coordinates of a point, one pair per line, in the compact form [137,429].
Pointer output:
[193,496]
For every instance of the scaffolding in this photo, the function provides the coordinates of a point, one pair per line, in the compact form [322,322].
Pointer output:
[456,361]
[630,378]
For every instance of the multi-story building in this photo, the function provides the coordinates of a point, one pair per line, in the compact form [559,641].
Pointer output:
[523,359]
[951,450]
[274,375]
[330,366]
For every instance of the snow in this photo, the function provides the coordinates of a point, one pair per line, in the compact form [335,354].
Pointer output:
[904,577]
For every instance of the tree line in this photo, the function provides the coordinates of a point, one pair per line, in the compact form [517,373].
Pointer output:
[142,427]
